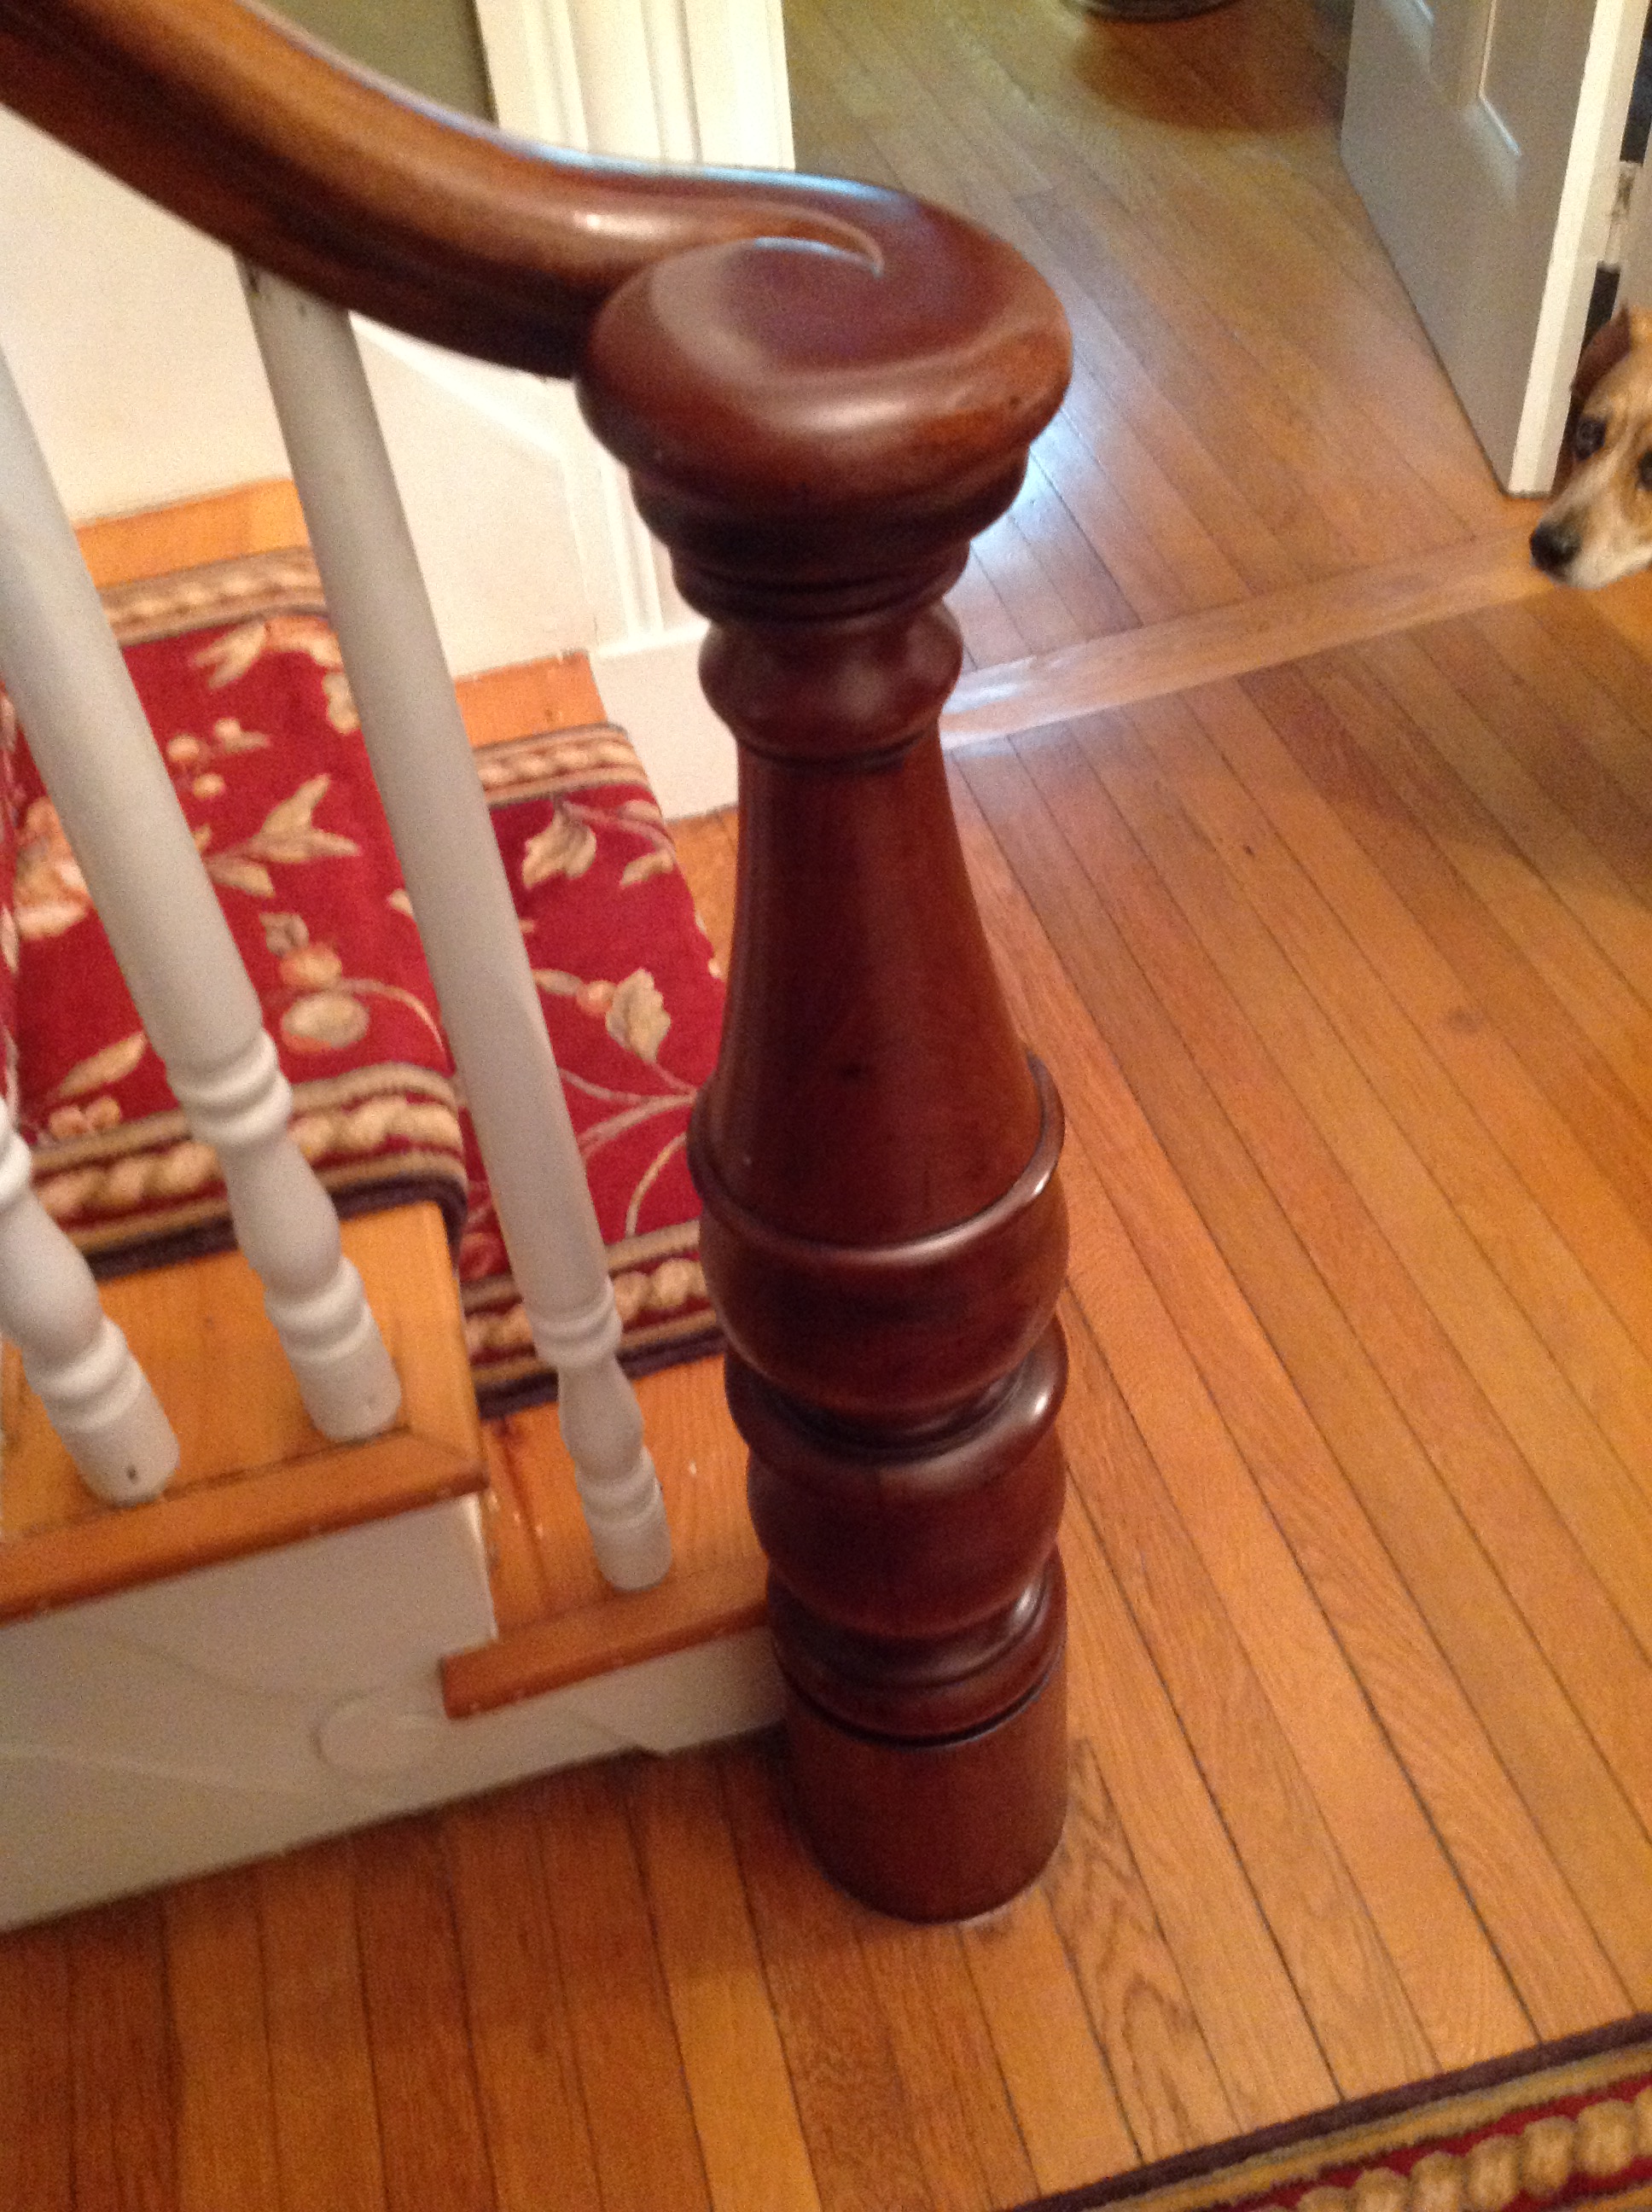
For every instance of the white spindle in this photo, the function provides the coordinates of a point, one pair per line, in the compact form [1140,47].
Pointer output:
[97,1395]
[450,860]
[115,800]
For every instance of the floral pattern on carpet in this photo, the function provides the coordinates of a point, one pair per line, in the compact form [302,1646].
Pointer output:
[241,678]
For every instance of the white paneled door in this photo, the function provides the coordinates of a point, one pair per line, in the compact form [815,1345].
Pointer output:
[1483,136]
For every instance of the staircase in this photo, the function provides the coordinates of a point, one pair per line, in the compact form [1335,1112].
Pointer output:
[299,1637]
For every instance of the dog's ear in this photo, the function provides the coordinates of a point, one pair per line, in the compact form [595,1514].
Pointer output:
[1629,326]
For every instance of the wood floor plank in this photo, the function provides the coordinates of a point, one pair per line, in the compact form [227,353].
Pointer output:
[1260,2043]
[1076,571]
[1533,1131]
[630,2067]
[37,2113]
[1355,2003]
[1139,2009]
[968,2142]
[1038,612]
[326,2110]
[990,634]
[225,2121]
[1555,745]
[1375,707]
[1606,1854]
[1588,717]
[1584,1638]
[521,2037]
[430,2122]
[1064,2103]
[1385,1081]
[122,2061]
[1501,988]
[856,2118]
[1554,850]
[744,2111]
[1518,1891]
[1271,275]
[1602,1853]
[1258,633]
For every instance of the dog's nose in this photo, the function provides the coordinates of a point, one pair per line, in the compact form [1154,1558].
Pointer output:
[1554,546]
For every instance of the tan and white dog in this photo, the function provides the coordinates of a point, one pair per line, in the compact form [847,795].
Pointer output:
[1598,526]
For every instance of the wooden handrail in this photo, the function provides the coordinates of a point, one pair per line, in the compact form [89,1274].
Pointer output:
[444,227]
[821,392]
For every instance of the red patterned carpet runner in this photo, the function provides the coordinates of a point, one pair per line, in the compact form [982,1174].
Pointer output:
[241,678]
[1569,2123]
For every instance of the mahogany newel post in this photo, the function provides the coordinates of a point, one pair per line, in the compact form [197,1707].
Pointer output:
[884,1232]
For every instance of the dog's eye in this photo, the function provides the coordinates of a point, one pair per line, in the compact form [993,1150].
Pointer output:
[1589,436]
[1644,471]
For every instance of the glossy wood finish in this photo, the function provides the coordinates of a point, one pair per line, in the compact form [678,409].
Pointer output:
[821,392]
[883,1234]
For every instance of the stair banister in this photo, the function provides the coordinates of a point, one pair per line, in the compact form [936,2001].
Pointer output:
[77,1362]
[444,838]
[821,392]
[95,753]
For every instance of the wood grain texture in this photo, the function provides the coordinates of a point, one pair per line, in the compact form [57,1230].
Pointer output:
[744,2111]
[625,2048]
[521,2034]
[253,1471]
[857,2117]
[430,2123]
[123,2067]
[255,518]
[225,2122]
[1343,976]
[320,2056]
[1254,406]
[37,2113]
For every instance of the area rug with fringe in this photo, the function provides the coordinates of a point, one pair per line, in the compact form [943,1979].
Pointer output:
[1569,2122]
[241,678]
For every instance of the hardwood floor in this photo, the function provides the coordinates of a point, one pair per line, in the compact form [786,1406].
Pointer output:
[1341,950]
[1254,404]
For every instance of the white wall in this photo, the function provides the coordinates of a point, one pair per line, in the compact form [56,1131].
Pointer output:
[130,342]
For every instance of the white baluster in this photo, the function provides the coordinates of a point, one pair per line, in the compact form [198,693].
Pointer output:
[77,1361]
[115,800]
[450,860]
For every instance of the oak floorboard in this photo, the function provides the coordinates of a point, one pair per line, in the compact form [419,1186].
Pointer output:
[122,2063]
[37,2113]
[1375,704]
[625,2046]
[1348,1987]
[1062,2093]
[1607,1854]
[1341,1021]
[225,2122]
[1502,989]
[533,2110]
[431,2131]
[745,2113]
[320,2057]
[968,2142]
[1531,1129]
[851,2101]
[1519,1893]
[1552,850]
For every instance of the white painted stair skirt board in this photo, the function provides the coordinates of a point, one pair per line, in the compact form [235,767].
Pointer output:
[114,797]
[462,903]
